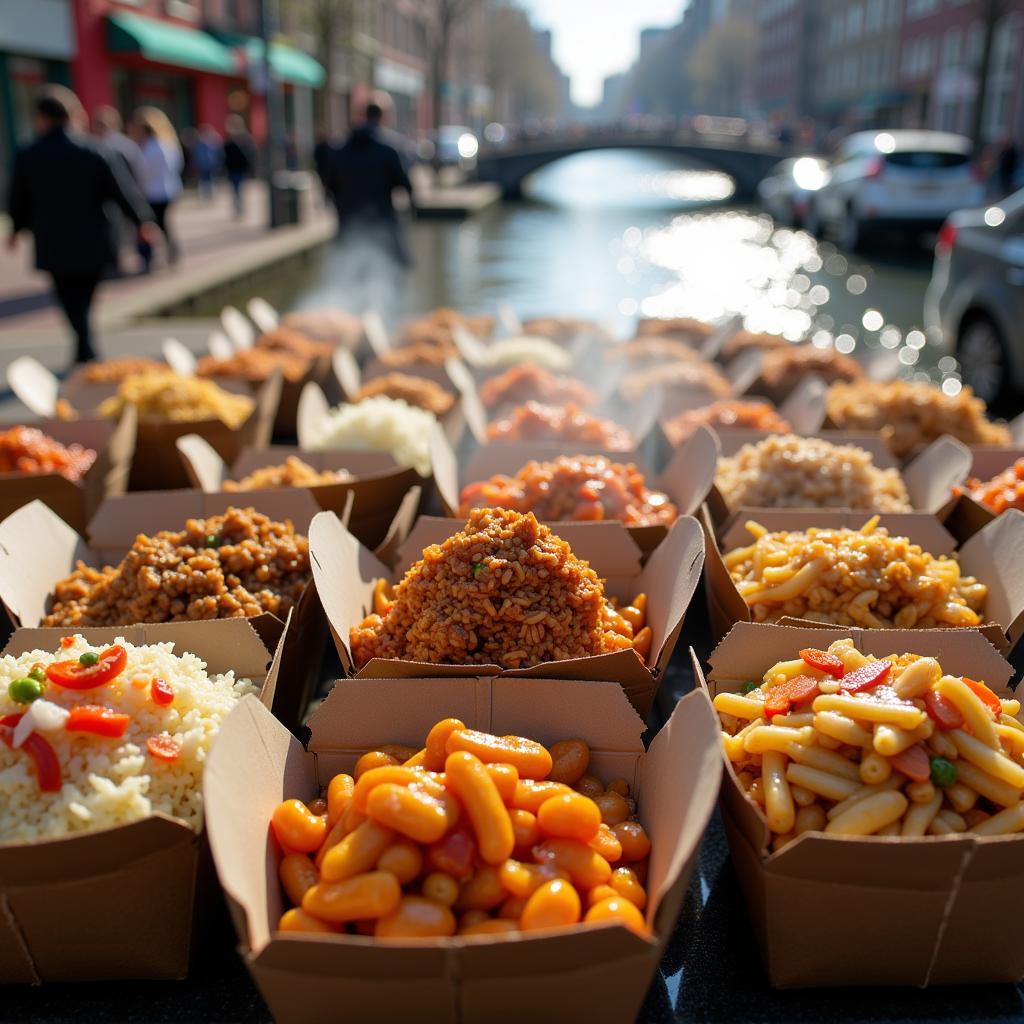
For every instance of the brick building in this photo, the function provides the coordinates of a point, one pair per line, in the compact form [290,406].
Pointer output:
[784,71]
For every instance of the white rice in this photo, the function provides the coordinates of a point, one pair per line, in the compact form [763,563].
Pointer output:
[527,349]
[379,424]
[108,781]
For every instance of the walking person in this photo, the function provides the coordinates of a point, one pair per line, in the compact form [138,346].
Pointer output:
[239,158]
[162,164]
[61,188]
[108,127]
[207,156]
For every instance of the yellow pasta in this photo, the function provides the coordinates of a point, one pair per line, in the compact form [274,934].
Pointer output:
[825,784]
[841,728]
[988,760]
[967,702]
[778,800]
[1010,820]
[905,715]
[869,815]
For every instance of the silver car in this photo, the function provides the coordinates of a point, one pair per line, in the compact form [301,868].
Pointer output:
[975,301]
[786,191]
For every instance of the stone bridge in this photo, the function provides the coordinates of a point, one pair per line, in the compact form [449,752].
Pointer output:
[745,161]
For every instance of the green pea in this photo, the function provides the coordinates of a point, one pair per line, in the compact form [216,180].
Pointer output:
[478,567]
[89,658]
[943,772]
[213,541]
[38,674]
[748,687]
[24,691]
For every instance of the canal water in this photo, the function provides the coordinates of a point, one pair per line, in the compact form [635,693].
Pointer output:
[616,234]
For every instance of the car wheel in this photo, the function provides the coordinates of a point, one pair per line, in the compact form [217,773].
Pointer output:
[851,232]
[981,352]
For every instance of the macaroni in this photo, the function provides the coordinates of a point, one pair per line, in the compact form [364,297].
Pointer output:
[902,750]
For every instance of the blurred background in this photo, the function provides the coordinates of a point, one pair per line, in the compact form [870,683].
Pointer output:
[801,164]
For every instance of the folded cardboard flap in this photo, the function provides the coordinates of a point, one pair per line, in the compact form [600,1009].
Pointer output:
[205,468]
[346,372]
[310,415]
[804,409]
[744,370]
[995,555]
[931,476]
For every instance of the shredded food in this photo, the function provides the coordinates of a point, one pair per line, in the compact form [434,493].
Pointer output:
[233,565]
[167,396]
[583,487]
[117,369]
[504,590]
[536,422]
[849,577]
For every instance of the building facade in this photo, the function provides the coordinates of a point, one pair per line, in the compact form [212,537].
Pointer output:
[784,71]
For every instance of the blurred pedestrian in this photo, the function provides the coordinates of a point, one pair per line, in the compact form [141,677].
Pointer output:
[108,127]
[1007,163]
[322,152]
[362,177]
[60,190]
[239,158]
[162,164]
[207,156]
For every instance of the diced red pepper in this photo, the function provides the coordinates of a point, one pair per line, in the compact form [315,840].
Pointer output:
[162,692]
[67,641]
[782,696]
[942,711]
[988,698]
[164,747]
[97,720]
[823,662]
[43,756]
[913,762]
[73,675]
[865,677]
[12,720]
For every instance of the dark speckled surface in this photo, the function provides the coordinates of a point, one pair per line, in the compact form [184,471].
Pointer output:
[711,970]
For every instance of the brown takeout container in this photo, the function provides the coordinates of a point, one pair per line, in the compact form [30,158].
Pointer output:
[686,479]
[559,975]
[964,516]
[76,502]
[844,910]
[121,902]
[37,550]
[345,573]
[994,555]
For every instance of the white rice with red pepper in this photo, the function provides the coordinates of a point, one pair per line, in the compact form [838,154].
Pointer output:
[114,781]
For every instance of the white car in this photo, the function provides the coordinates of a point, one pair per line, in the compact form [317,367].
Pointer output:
[786,191]
[904,179]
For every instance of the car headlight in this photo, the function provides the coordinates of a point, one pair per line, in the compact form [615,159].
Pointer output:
[467,146]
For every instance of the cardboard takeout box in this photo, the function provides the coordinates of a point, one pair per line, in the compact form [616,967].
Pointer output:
[686,479]
[76,502]
[37,550]
[345,573]
[964,516]
[121,902]
[995,555]
[833,910]
[560,975]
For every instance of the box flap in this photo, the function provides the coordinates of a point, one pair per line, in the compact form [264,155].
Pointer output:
[312,411]
[256,430]
[472,408]
[375,333]
[804,409]
[713,343]
[445,470]
[37,548]
[205,468]
[995,555]
[744,370]
[690,472]
[932,475]
[400,526]
[254,765]
[346,371]
[180,359]
[34,385]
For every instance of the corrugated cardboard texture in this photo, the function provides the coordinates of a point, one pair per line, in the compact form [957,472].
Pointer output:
[562,975]
[376,491]
[839,910]
[118,902]
[76,503]
[995,555]
[37,549]
[686,479]
[345,573]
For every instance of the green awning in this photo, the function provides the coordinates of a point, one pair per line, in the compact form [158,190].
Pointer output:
[165,43]
[287,64]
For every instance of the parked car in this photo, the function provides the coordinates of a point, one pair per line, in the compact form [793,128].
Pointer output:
[786,192]
[911,180]
[975,301]
[457,146]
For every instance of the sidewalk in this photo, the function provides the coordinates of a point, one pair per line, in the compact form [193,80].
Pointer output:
[214,248]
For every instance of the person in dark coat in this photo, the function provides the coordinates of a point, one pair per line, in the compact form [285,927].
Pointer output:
[60,191]
[362,177]
[239,159]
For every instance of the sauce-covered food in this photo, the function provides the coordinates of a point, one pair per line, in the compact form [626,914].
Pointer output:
[28,450]
[536,422]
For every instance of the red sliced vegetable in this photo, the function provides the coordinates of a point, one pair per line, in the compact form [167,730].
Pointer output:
[782,696]
[865,677]
[914,762]
[67,641]
[453,854]
[94,719]
[73,675]
[824,662]
[988,698]
[12,720]
[162,692]
[43,756]
[942,711]
[164,747]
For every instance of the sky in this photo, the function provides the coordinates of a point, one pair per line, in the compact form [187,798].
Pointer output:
[596,38]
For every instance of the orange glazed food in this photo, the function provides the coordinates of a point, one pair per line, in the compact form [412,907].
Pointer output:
[528,382]
[503,590]
[1001,492]
[536,422]
[28,450]
[734,413]
[581,487]
[419,391]
[472,834]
